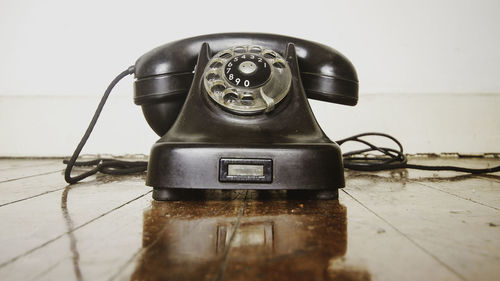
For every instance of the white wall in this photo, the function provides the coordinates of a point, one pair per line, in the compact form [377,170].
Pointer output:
[428,69]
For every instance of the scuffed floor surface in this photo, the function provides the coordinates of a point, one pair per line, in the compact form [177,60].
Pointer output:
[397,225]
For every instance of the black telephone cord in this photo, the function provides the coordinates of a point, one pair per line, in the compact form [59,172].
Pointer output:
[107,166]
[388,158]
[391,159]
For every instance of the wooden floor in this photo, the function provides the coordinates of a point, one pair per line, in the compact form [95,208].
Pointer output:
[399,225]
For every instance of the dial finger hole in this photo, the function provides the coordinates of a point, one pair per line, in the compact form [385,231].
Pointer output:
[239,50]
[212,76]
[279,64]
[269,56]
[247,100]
[225,56]
[255,50]
[230,98]
[218,88]
[216,64]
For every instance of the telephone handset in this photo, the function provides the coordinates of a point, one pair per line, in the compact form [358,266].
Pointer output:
[232,113]
[164,75]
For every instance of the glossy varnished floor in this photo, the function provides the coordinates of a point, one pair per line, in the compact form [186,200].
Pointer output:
[399,225]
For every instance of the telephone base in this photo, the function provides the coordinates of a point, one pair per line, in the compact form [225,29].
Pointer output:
[184,194]
[178,194]
[178,171]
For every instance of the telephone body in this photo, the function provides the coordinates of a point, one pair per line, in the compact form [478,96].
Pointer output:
[232,113]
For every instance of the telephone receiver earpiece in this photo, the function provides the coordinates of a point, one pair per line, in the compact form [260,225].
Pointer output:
[165,74]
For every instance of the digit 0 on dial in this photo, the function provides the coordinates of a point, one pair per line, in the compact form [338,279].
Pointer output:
[247,79]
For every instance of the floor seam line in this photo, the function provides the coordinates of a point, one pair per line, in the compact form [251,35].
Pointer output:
[222,269]
[30,197]
[487,178]
[31,176]
[68,232]
[123,266]
[407,237]
[455,195]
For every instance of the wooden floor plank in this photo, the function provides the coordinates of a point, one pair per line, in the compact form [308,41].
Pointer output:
[26,188]
[384,251]
[30,171]
[478,190]
[39,220]
[456,231]
[92,252]
[14,191]
[482,189]
[20,163]
[490,177]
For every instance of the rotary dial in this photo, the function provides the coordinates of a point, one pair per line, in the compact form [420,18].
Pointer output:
[247,79]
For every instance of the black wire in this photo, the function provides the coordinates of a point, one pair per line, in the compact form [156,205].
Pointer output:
[360,160]
[107,166]
[391,159]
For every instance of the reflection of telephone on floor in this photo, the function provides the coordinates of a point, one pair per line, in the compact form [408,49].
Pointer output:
[232,111]
[309,244]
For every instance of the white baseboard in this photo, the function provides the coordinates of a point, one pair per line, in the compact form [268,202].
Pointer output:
[424,123]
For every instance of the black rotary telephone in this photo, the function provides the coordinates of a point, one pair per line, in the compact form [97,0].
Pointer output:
[232,113]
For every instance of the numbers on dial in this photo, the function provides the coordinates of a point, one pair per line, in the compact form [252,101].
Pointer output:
[237,81]
[247,70]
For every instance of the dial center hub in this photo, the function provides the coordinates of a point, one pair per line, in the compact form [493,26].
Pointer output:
[247,67]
